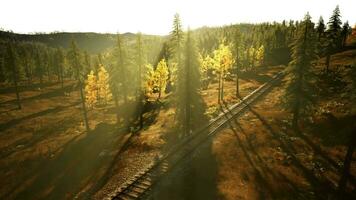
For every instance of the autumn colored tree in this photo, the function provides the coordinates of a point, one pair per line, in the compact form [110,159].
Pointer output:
[260,53]
[149,79]
[161,77]
[103,86]
[91,87]
[223,61]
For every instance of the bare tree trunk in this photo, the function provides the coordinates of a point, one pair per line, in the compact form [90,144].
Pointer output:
[16,89]
[237,83]
[187,100]
[84,107]
[116,101]
[327,63]
[222,89]
[61,74]
[219,87]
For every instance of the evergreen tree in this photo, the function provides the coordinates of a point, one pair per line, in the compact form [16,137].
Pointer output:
[345,32]
[298,97]
[87,63]
[333,35]
[320,28]
[176,40]
[12,65]
[177,36]
[190,106]
[75,61]
[237,41]
[60,60]
[139,95]
[38,65]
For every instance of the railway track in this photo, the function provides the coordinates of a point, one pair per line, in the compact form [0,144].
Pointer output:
[143,183]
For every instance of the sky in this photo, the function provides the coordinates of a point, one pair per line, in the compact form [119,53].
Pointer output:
[156,16]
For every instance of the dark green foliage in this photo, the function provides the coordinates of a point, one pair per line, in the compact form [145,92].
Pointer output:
[299,93]
[11,62]
[345,32]
[190,105]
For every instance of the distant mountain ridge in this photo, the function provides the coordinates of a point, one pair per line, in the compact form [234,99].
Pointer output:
[88,41]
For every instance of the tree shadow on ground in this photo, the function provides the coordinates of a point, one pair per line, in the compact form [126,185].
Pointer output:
[196,179]
[78,165]
[14,122]
[262,173]
[322,188]
[45,95]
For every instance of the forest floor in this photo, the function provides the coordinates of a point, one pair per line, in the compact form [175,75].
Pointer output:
[46,154]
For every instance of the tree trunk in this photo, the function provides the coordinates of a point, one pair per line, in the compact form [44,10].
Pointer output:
[116,102]
[222,89]
[347,163]
[16,89]
[84,107]
[187,100]
[237,86]
[327,63]
[14,76]
[61,73]
[219,87]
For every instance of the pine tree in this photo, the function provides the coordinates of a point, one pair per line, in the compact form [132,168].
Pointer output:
[333,35]
[38,65]
[298,97]
[237,41]
[190,106]
[75,61]
[60,60]
[139,95]
[103,85]
[91,86]
[12,64]
[320,28]
[177,36]
[176,40]
[345,32]
[120,70]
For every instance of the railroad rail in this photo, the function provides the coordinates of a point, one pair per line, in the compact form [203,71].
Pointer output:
[143,183]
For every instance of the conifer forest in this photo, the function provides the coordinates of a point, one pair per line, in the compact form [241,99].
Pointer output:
[239,109]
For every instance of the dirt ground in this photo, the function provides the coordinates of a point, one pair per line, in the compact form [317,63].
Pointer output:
[259,157]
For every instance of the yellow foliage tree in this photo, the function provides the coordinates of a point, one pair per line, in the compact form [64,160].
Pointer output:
[161,76]
[91,89]
[104,92]
[260,55]
[149,82]
[223,61]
